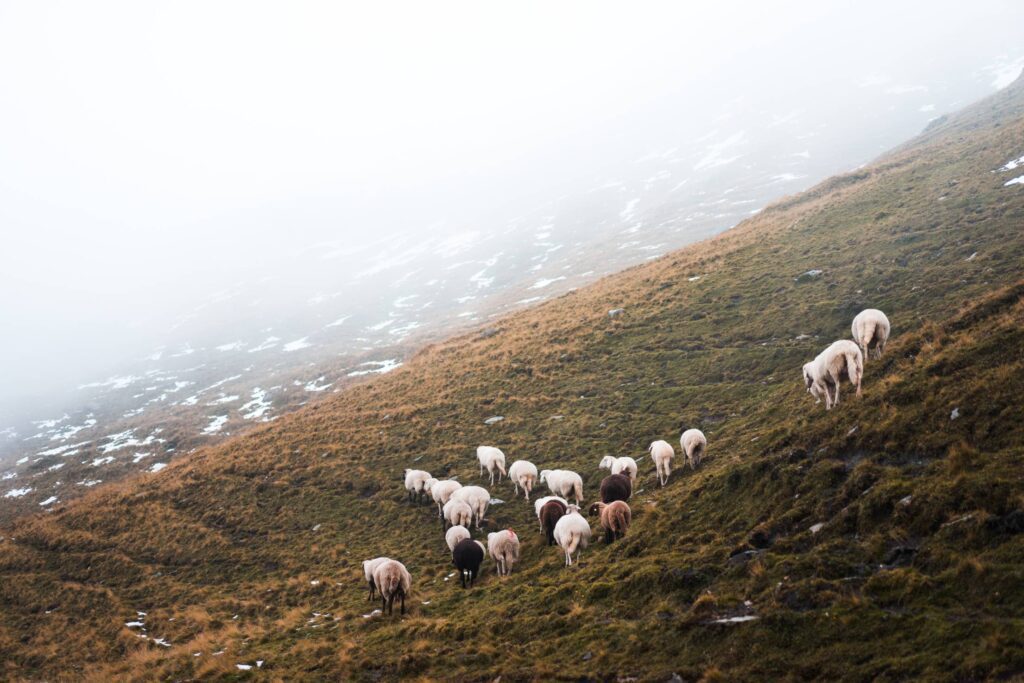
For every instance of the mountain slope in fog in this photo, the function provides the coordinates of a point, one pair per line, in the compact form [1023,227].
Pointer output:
[879,540]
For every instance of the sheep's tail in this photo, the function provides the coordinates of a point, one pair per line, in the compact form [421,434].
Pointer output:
[501,468]
[574,542]
[391,584]
[578,489]
[855,369]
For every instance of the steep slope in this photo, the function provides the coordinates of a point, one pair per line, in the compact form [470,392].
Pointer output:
[249,551]
[328,314]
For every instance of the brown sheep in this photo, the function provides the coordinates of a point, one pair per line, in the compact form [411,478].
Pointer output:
[615,518]
[616,487]
[550,513]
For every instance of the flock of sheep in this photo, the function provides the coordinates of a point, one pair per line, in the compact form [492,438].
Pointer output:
[561,522]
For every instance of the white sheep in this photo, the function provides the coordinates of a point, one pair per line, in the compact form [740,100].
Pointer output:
[693,444]
[477,497]
[457,512]
[871,330]
[441,492]
[662,454]
[368,567]
[416,483]
[504,548]
[393,580]
[493,459]
[572,533]
[624,465]
[523,473]
[823,375]
[563,483]
[539,503]
[454,535]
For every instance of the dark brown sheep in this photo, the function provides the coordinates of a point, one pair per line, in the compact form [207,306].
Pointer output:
[550,513]
[615,518]
[616,487]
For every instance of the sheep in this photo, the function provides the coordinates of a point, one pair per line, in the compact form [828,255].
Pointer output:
[457,513]
[478,499]
[563,483]
[616,487]
[841,360]
[392,579]
[619,465]
[493,459]
[693,444]
[662,454]
[467,556]
[870,330]
[549,513]
[504,548]
[572,533]
[368,567]
[454,535]
[523,473]
[615,518]
[416,483]
[441,491]
[540,502]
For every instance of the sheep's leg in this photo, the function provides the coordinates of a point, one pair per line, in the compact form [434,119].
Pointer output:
[403,603]
[383,603]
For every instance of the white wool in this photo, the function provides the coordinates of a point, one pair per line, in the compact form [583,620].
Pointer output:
[563,483]
[823,375]
[477,497]
[624,465]
[442,491]
[504,549]
[662,454]
[454,535]
[457,512]
[416,481]
[523,474]
[870,331]
[493,460]
[572,534]
[694,443]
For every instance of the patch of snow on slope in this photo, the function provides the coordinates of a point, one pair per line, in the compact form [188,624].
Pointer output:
[216,423]
[268,343]
[18,493]
[315,386]
[544,282]
[1019,180]
[297,345]
[257,407]
[339,321]
[49,501]
[230,346]
[382,367]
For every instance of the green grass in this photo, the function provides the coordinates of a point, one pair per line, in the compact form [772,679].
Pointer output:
[220,550]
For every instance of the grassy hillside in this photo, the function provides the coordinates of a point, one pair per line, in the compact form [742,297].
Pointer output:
[250,550]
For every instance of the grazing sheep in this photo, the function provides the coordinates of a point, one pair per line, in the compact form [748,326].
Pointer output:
[368,567]
[625,464]
[694,443]
[454,535]
[457,513]
[416,483]
[467,556]
[662,454]
[523,473]
[493,459]
[572,533]
[616,487]
[615,518]
[540,502]
[441,492]
[549,514]
[504,549]
[393,580]
[871,330]
[563,483]
[841,360]
[477,497]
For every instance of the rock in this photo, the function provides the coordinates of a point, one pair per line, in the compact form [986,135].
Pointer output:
[809,275]
[955,414]
[905,501]
[317,527]
[675,678]
[817,527]
[853,430]
[496,501]
[587,656]
[616,312]
[802,337]
[744,556]
[494,419]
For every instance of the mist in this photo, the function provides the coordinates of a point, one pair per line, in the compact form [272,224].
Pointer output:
[155,156]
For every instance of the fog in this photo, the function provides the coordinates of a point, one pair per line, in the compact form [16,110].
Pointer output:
[154,154]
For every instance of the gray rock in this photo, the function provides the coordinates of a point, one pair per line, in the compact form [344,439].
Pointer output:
[616,312]
[955,414]
[494,420]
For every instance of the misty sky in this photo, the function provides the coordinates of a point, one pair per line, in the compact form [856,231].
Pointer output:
[153,153]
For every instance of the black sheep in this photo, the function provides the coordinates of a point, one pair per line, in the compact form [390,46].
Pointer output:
[467,557]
